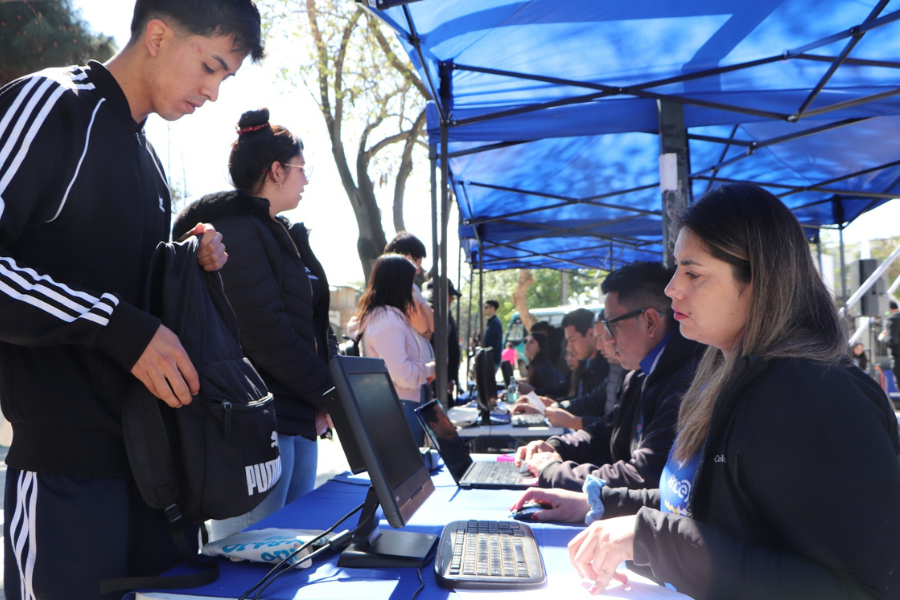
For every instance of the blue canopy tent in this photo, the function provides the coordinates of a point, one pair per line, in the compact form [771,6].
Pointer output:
[827,172]
[571,106]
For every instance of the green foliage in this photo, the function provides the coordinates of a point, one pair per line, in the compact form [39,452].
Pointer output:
[368,94]
[545,292]
[36,35]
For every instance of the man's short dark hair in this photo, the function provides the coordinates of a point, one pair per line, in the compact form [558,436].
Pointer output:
[493,303]
[210,18]
[641,284]
[581,319]
[893,305]
[406,243]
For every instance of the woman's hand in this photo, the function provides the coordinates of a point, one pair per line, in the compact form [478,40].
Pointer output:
[560,417]
[563,506]
[430,366]
[539,460]
[525,452]
[419,319]
[323,422]
[598,551]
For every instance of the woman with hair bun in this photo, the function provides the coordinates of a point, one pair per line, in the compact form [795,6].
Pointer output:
[279,294]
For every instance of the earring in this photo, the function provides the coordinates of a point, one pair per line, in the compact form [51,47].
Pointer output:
[278,186]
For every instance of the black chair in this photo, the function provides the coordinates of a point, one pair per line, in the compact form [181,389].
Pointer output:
[506,370]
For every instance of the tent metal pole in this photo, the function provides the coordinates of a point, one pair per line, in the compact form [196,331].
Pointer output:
[441,329]
[459,260]
[673,171]
[819,253]
[480,292]
[440,351]
[838,61]
[469,340]
[843,265]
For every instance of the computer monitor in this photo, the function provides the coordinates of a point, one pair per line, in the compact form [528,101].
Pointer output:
[376,438]
[485,383]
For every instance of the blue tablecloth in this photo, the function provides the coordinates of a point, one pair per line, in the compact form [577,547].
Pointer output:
[325,505]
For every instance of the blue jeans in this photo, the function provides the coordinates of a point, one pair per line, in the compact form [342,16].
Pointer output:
[299,460]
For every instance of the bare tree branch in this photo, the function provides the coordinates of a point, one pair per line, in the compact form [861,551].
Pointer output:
[395,62]
[406,166]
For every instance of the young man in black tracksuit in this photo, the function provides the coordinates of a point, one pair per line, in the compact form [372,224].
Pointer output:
[83,204]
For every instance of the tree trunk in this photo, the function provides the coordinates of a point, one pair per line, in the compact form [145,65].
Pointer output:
[406,166]
[520,301]
[372,239]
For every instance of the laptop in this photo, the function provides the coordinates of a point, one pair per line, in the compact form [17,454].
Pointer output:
[491,474]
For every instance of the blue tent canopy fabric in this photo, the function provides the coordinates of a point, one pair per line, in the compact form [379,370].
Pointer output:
[551,113]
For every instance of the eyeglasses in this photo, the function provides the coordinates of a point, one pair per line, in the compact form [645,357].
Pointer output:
[307,170]
[608,323]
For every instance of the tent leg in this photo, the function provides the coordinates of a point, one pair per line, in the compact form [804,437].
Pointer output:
[673,171]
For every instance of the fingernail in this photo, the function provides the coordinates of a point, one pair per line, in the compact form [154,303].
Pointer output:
[592,589]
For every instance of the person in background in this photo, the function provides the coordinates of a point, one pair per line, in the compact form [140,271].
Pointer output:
[890,336]
[542,375]
[557,339]
[578,326]
[733,515]
[858,354]
[412,248]
[385,320]
[453,348]
[279,294]
[493,331]
[574,373]
[587,409]
[84,205]
[628,447]
[510,355]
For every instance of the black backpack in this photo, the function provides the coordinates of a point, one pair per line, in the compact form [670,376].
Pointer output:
[218,456]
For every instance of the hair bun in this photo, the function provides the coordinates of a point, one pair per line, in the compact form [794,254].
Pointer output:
[253,120]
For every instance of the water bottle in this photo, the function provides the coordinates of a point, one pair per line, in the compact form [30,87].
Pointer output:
[512,392]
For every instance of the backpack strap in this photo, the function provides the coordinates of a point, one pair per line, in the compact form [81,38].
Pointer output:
[146,441]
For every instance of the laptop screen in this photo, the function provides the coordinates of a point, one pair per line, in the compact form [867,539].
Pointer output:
[444,438]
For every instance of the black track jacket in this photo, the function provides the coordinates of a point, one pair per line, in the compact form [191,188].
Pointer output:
[83,204]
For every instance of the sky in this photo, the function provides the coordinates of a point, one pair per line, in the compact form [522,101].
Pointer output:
[195,150]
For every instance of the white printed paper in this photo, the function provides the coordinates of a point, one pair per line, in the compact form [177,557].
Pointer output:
[535,402]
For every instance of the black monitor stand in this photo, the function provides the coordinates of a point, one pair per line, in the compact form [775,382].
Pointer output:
[372,547]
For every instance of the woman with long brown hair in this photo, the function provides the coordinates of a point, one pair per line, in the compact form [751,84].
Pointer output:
[784,480]
[385,319]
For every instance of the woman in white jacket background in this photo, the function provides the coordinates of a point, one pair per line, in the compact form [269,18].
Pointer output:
[385,318]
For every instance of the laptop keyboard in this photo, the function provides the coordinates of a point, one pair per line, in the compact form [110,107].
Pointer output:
[488,554]
[528,420]
[492,472]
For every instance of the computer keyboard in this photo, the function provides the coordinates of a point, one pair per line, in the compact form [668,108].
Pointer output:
[488,554]
[528,420]
[493,472]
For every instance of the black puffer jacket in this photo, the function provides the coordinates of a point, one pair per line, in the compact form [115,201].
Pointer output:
[267,281]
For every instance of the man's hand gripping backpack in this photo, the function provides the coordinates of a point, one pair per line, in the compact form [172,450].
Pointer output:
[216,457]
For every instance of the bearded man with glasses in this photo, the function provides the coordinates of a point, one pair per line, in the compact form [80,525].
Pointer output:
[629,446]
